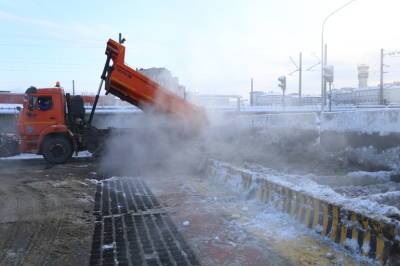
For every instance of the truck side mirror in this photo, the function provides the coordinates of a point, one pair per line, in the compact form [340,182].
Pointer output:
[18,108]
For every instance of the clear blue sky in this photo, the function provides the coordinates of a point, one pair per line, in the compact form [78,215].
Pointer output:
[212,46]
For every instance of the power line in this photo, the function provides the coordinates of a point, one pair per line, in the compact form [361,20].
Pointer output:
[37,70]
[71,45]
[50,64]
[34,37]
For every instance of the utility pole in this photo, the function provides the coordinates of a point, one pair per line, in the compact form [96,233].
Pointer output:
[322,69]
[299,68]
[325,64]
[323,83]
[381,100]
[300,73]
[73,87]
[251,92]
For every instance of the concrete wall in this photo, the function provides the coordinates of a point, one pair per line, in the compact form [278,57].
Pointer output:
[378,128]
[383,122]
[8,122]
[336,131]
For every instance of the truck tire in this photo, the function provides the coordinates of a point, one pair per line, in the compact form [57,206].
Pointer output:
[57,149]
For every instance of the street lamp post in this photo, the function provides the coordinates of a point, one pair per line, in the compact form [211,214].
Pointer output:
[323,62]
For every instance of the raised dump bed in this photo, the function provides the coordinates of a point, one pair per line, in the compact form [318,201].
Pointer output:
[366,227]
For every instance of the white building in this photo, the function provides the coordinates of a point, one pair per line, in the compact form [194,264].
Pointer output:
[370,95]
[270,98]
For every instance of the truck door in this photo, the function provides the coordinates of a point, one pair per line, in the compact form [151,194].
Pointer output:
[40,114]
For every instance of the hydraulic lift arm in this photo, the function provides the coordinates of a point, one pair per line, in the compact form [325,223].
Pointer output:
[131,86]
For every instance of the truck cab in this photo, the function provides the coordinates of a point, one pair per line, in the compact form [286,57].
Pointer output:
[42,125]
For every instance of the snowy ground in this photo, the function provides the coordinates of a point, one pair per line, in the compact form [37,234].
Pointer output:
[29,156]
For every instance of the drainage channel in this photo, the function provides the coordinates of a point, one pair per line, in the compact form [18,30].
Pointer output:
[132,228]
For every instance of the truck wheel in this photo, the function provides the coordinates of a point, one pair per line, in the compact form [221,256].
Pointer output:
[57,149]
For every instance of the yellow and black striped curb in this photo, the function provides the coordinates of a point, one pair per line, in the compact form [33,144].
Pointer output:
[375,237]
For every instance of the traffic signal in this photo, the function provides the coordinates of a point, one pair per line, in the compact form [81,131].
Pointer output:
[282,83]
[329,73]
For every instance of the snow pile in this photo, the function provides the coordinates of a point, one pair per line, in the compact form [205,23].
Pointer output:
[389,198]
[368,178]
[394,195]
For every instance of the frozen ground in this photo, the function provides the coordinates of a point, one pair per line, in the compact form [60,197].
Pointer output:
[45,213]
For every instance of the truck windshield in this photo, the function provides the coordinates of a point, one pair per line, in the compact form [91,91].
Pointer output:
[42,103]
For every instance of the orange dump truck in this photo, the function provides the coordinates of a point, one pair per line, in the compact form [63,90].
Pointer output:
[53,124]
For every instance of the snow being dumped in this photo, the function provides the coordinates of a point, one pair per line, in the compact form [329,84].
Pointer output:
[156,143]
[165,78]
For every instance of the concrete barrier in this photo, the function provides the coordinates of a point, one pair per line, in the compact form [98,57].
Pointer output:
[301,121]
[371,235]
[8,123]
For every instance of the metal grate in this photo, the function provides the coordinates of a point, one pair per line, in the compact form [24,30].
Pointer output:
[132,228]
